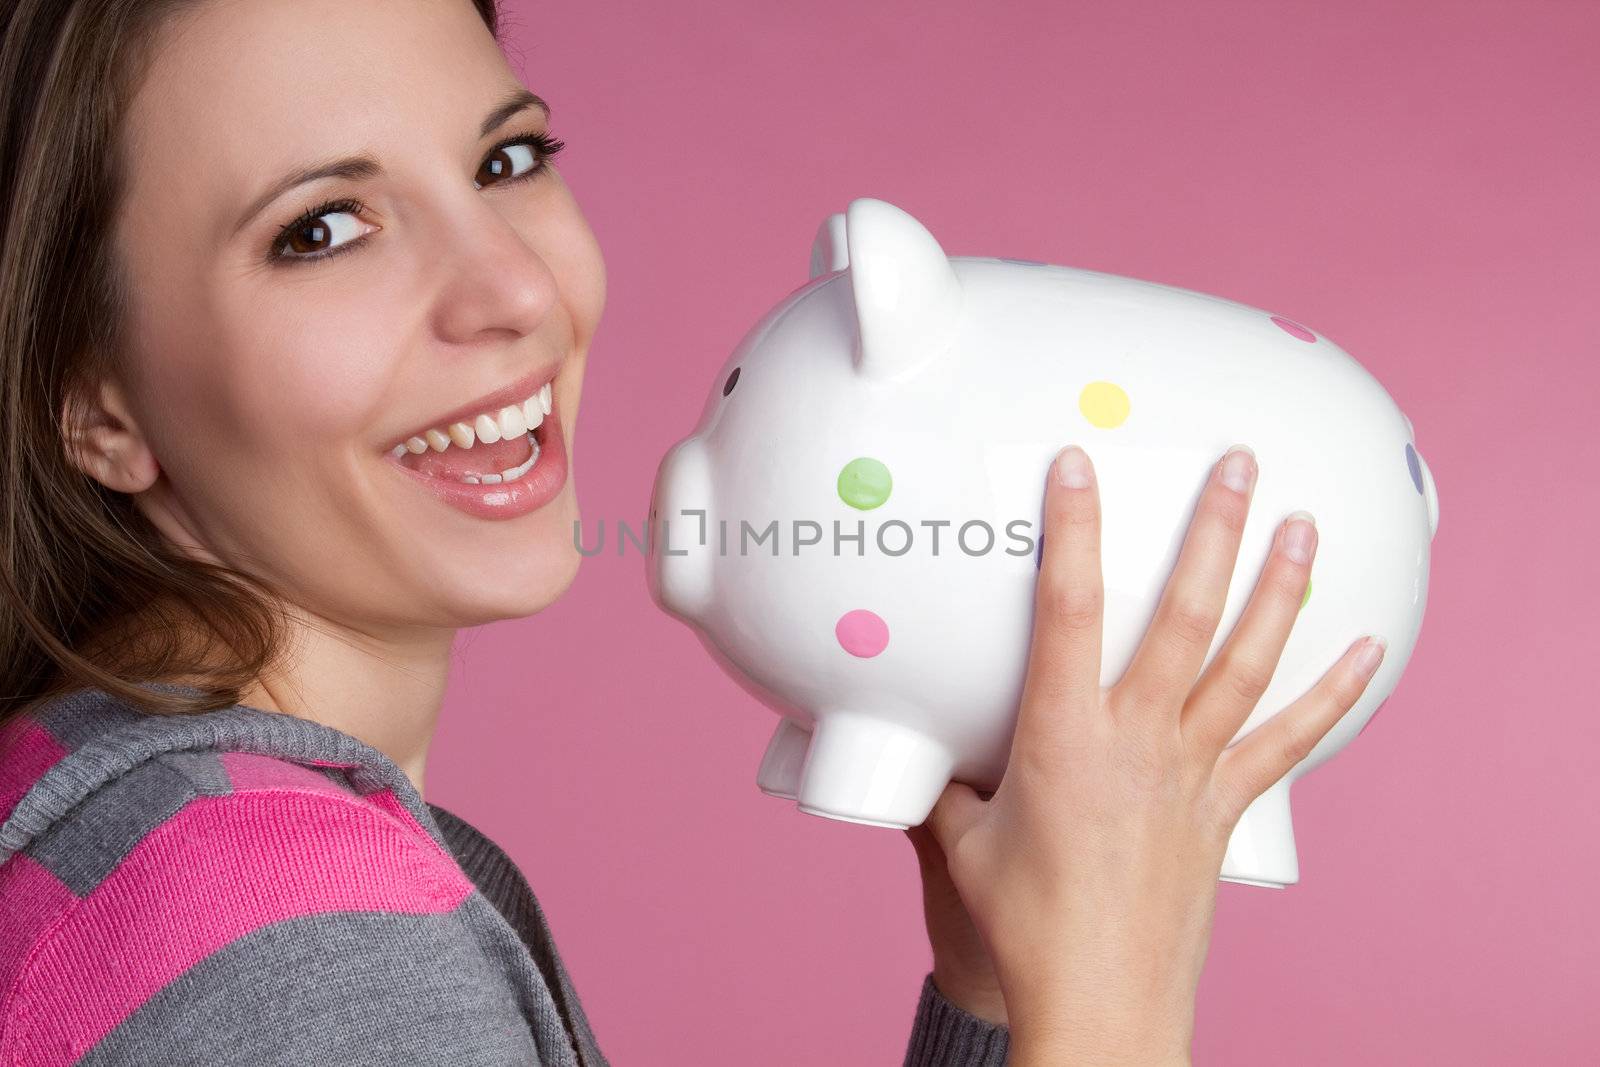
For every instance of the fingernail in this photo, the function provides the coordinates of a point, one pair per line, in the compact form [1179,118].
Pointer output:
[1072,468]
[1370,656]
[1299,535]
[1238,468]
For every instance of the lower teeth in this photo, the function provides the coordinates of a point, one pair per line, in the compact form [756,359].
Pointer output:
[507,475]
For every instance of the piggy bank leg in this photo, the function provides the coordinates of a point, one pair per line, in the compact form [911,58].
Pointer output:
[1261,849]
[866,770]
[785,758]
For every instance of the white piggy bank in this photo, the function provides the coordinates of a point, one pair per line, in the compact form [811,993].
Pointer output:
[853,528]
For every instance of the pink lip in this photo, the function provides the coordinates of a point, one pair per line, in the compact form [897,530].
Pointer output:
[508,500]
[515,393]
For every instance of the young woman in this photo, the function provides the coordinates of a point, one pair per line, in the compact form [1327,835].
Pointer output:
[293,328]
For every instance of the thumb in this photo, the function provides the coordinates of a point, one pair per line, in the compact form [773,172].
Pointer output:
[955,812]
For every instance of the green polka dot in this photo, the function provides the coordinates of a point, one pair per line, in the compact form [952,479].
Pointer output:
[1308,594]
[864,483]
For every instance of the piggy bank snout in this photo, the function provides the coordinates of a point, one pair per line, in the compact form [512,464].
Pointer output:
[678,569]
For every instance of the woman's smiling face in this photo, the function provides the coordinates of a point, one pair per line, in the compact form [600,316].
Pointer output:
[271,370]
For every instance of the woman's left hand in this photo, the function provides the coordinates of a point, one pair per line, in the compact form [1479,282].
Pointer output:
[961,966]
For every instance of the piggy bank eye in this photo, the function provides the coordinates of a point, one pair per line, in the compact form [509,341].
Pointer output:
[733,380]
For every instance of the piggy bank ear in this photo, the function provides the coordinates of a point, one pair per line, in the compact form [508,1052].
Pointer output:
[828,251]
[908,300]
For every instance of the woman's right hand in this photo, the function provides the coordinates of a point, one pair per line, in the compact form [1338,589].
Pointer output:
[1091,874]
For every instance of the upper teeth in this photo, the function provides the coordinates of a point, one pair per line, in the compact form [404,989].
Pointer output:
[509,421]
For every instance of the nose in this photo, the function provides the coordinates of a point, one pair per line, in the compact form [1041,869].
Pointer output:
[679,568]
[492,279]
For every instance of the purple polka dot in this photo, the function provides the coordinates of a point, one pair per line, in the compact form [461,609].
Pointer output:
[862,633]
[1415,467]
[1293,329]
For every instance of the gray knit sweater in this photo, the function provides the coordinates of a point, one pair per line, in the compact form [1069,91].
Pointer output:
[244,887]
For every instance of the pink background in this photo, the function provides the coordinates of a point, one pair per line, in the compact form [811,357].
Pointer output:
[1416,180]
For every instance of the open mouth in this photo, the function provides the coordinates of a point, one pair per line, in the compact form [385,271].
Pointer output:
[492,448]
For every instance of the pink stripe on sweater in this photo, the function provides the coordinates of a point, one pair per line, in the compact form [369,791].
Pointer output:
[26,751]
[249,772]
[35,899]
[219,869]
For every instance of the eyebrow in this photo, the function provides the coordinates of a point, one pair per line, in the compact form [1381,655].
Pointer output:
[360,168]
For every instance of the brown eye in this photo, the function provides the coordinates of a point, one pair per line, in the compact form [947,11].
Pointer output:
[308,238]
[323,231]
[733,380]
[504,162]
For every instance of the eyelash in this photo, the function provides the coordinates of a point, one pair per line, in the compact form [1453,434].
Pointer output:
[544,144]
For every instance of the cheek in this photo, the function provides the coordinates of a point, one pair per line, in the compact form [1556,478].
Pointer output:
[317,376]
[574,258]
[270,415]
[589,298]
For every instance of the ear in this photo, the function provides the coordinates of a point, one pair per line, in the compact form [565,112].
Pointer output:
[908,300]
[103,440]
[828,251]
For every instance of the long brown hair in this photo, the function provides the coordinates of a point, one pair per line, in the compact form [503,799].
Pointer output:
[91,594]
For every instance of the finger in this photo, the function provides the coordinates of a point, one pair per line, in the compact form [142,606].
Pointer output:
[1231,686]
[1063,678]
[1175,645]
[1267,753]
[958,808]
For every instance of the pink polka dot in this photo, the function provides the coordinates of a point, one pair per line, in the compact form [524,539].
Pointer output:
[1294,329]
[861,633]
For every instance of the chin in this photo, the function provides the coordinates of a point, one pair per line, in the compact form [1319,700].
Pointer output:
[529,592]
[547,563]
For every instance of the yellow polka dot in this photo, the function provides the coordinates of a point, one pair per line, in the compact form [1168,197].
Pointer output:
[1306,599]
[1104,404]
